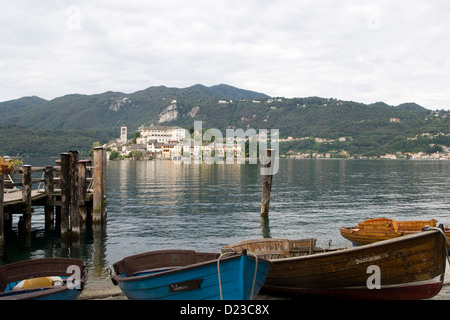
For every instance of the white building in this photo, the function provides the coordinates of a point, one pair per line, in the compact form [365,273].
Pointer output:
[161,134]
[160,140]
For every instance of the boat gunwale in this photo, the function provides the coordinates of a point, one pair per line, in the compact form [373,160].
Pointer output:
[225,257]
[382,243]
[29,294]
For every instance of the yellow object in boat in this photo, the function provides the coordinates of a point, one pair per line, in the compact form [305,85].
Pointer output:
[41,282]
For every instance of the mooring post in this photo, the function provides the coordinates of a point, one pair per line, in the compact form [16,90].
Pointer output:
[267,174]
[74,193]
[97,201]
[57,186]
[27,210]
[82,190]
[49,208]
[104,202]
[65,197]
[2,225]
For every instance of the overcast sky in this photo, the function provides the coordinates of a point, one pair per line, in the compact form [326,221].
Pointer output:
[367,51]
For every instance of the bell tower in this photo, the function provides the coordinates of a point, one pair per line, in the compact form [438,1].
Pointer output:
[123,135]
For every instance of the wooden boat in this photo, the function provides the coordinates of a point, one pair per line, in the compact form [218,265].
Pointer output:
[43,279]
[409,267]
[379,229]
[190,275]
[278,248]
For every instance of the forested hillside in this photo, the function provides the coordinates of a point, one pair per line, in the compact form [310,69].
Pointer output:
[32,125]
[22,141]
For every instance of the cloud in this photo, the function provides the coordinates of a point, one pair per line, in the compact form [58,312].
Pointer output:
[367,51]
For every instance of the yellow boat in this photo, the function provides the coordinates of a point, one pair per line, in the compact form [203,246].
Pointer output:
[379,229]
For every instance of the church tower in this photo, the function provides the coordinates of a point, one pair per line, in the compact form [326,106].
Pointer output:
[123,135]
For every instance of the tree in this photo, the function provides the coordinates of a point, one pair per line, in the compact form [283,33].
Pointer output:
[94,145]
[136,135]
[136,155]
[114,155]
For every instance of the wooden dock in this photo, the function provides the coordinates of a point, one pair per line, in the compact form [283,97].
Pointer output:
[72,192]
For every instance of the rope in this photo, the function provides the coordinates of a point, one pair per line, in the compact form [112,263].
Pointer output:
[218,271]
[254,276]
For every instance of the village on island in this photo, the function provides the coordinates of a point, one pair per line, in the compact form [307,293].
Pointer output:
[164,143]
[169,143]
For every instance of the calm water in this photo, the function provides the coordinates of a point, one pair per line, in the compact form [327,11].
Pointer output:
[156,205]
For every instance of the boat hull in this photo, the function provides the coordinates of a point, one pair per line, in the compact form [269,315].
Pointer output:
[229,278]
[409,267]
[413,291]
[42,294]
[380,229]
[64,268]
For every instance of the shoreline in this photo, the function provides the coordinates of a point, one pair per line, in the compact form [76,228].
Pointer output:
[105,290]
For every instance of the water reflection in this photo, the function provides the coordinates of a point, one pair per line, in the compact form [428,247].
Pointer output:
[156,205]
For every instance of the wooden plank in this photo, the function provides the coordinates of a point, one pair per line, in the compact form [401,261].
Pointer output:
[14,198]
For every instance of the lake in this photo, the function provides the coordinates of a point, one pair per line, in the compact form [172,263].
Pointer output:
[159,204]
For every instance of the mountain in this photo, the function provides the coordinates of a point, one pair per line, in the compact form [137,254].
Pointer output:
[113,109]
[372,127]
[12,110]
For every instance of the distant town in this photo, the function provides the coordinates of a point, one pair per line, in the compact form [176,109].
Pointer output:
[162,142]
[166,142]
[445,155]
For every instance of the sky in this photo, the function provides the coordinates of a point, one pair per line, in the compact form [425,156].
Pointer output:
[394,51]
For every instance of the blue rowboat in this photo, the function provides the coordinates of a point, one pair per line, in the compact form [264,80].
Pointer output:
[190,275]
[43,279]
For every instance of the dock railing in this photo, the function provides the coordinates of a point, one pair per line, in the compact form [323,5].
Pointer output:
[72,192]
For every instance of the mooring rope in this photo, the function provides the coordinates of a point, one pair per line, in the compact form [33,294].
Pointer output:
[256,271]
[254,276]
[218,270]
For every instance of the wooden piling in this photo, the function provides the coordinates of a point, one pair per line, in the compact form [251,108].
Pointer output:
[49,208]
[98,209]
[74,196]
[104,198]
[267,173]
[65,197]
[82,185]
[27,209]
